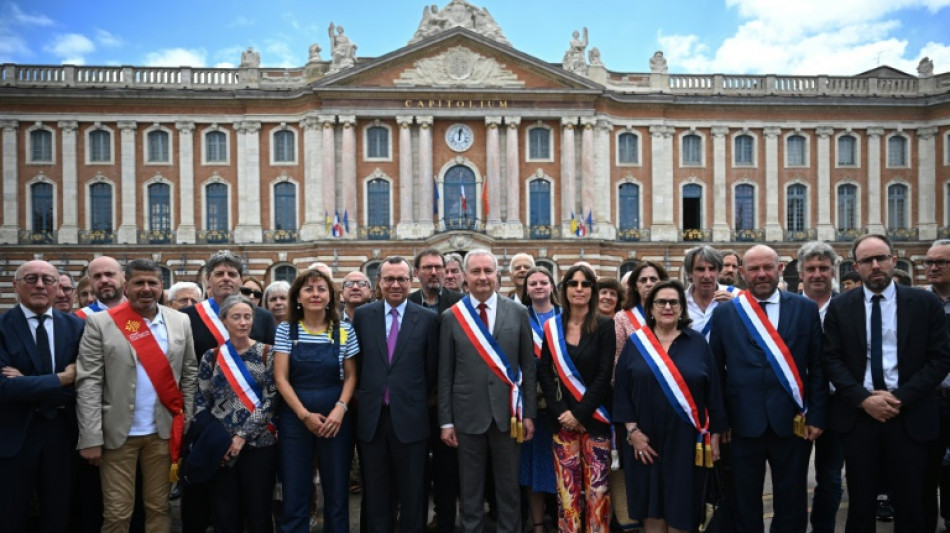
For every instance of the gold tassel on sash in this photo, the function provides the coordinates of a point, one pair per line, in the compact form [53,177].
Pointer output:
[698,461]
[173,473]
[798,425]
[709,454]
[513,432]
[520,432]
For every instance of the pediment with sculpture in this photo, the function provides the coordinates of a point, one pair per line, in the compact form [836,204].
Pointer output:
[458,66]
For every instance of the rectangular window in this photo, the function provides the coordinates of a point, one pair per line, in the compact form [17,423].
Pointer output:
[744,154]
[692,150]
[627,150]
[284,147]
[540,144]
[99,149]
[158,147]
[897,151]
[847,151]
[41,146]
[216,147]
[377,143]
[795,156]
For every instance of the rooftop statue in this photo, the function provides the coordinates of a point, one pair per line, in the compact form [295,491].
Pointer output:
[574,59]
[342,49]
[925,69]
[658,63]
[314,53]
[250,59]
[458,13]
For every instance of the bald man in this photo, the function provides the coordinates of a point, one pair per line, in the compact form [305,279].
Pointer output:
[107,281]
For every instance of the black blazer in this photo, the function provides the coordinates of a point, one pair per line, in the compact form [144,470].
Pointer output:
[594,359]
[409,377]
[262,330]
[447,298]
[923,358]
[20,397]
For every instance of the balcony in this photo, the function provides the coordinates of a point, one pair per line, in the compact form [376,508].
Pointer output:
[696,235]
[849,234]
[375,233]
[633,235]
[943,233]
[903,234]
[26,236]
[214,236]
[748,235]
[801,235]
[542,232]
[155,236]
[461,224]
[96,236]
[277,236]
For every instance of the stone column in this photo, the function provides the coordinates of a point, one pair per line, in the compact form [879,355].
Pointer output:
[587,166]
[8,231]
[825,227]
[720,227]
[404,225]
[568,174]
[927,183]
[604,225]
[248,229]
[127,228]
[661,156]
[425,224]
[186,182]
[773,229]
[328,166]
[69,230]
[874,223]
[348,174]
[513,177]
[493,225]
[313,222]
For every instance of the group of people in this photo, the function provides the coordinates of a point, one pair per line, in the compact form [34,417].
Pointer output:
[465,394]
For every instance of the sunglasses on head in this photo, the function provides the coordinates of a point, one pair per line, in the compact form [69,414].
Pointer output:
[247,291]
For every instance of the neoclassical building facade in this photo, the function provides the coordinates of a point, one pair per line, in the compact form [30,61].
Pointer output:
[459,140]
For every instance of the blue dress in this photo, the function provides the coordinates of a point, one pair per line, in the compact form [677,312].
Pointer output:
[537,455]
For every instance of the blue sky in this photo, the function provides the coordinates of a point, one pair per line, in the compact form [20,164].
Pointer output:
[837,37]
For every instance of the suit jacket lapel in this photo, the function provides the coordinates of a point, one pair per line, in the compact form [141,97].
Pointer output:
[784,313]
[59,341]
[26,337]
[379,324]
[501,314]
[903,320]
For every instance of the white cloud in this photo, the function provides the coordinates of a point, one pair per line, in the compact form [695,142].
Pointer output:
[19,18]
[107,39]
[176,57]
[278,54]
[12,47]
[224,64]
[71,47]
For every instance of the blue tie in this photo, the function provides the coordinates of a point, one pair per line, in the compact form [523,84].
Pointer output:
[42,346]
[877,344]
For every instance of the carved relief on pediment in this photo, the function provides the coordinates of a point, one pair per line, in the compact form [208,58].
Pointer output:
[459,67]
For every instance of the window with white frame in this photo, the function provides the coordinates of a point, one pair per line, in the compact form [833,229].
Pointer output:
[897,151]
[539,144]
[41,198]
[285,273]
[284,146]
[629,206]
[745,207]
[796,203]
[158,146]
[41,146]
[847,151]
[377,142]
[100,207]
[216,213]
[100,146]
[796,152]
[744,150]
[216,147]
[847,206]
[897,206]
[159,207]
[285,206]
[692,149]
[628,149]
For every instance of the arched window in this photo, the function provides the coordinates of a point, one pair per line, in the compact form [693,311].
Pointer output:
[158,146]
[377,142]
[159,207]
[539,200]
[745,207]
[539,143]
[744,146]
[692,149]
[847,151]
[628,151]
[692,207]
[897,151]
[41,195]
[459,202]
[284,148]
[629,204]
[795,207]
[216,216]
[847,207]
[285,206]
[285,273]
[795,151]
[216,147]
[100,146]
[100,207]
[377,209]
[897,208]
[41,146]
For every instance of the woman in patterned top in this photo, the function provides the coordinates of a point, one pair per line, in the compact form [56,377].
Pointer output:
[236,383]
[315,372]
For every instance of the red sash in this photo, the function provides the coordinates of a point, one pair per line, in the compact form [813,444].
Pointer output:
[159,371]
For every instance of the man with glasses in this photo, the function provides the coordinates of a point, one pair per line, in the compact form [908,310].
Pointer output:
[357,291]
[183,294]
[937,267]
[38,350]
[886,351]
[66,295]
[767,344]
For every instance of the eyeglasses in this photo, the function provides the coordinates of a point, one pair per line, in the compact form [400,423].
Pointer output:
[574,283]
[247,291]
[390,280]
[868,261]
[32,279]
[661,304]
[939,263]
[359,283]
[431,267]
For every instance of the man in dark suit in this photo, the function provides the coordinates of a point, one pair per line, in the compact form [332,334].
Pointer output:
[38,349]
[886,350]
[399,349]
[776,404]
[937,267]
[222,279]
[444,466]
[480,410]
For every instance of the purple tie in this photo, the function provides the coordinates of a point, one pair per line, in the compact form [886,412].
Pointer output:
[391,345]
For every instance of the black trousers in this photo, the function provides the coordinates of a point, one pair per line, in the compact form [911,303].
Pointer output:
[444,475]
[242,493]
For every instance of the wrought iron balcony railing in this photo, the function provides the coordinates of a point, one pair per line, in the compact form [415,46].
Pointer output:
[375,233]
[696,235]
[801,235]
[463,223]
[542,232]
[748,235]
[903,234]
[633,235]
[27,236]
[273,236]
[96,236]
[155,236]
[849,234]
[214,236]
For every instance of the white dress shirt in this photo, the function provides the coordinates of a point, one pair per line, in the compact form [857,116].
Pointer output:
[888,336]
[143,418]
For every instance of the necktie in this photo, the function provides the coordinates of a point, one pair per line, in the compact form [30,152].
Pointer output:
[42,346]
[877,344]
[482,313]
[393,334]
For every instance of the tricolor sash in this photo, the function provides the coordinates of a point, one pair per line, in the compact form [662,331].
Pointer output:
[159,371]
[735,291]
[208,311]
[675,389]
[636,317]
[570,377]
[537,330]
[776,353]
[90,309]
[488,349]
[239,377]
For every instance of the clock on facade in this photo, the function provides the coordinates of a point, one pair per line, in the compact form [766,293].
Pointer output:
[459,137]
